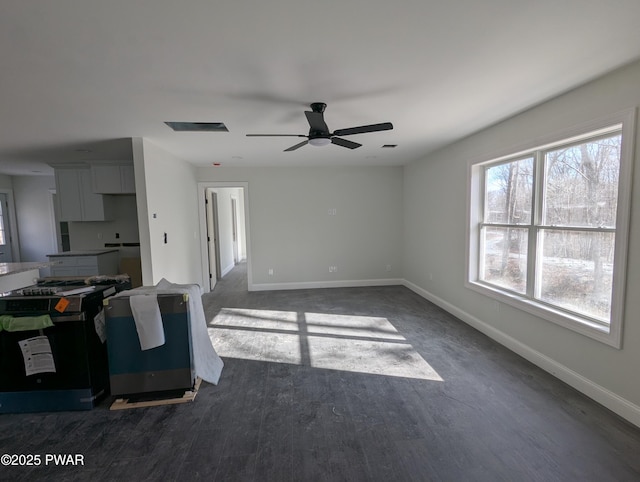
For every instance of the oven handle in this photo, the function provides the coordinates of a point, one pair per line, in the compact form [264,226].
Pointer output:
[74,317]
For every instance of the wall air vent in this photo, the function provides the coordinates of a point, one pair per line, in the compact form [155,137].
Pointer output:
[198,126]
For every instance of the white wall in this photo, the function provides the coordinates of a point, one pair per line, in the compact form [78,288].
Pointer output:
[6,182]
[94,234]
[292,232]
[166,191]
[435,201]
[35,216]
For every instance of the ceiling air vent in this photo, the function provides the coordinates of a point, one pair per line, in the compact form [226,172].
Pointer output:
[198,126]
[389,146]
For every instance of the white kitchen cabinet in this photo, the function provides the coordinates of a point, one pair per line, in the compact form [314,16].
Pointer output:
[76,199]
[112,178]
[85,263]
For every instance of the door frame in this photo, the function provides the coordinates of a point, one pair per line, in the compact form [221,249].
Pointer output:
[234,229]
[202,213]
[13,225]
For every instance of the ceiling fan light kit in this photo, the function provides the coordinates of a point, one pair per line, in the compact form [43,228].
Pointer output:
[319,141]
[319,134]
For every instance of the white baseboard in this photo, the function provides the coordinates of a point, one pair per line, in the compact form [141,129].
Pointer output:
[224,271]
[324,284]
[612,401]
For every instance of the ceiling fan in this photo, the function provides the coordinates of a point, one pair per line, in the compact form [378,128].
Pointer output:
[319,134]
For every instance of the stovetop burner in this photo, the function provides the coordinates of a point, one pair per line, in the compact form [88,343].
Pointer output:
[39,290]
[34,292]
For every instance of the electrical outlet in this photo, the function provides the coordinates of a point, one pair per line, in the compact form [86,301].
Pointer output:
[270,271]
[333,269]
[388,268]
[332,211]
[430,277]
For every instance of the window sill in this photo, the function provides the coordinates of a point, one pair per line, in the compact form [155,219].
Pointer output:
[572,322]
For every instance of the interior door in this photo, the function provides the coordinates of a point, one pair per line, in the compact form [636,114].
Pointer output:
[5,231]
[213,275]
[212,237]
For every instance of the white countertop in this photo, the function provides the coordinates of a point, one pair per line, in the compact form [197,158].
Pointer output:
[84,252]
[12,268]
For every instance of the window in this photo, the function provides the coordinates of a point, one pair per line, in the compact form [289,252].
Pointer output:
[548,229]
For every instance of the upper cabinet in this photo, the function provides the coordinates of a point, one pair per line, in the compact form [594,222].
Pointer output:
[76,199]
[112,178]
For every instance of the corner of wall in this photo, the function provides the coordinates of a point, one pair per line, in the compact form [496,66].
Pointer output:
[143,210]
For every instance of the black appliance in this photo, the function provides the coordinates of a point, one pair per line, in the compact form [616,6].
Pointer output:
[120,282]
[77,349]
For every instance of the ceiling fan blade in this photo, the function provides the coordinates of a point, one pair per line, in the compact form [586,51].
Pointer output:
[385,126]
[316,121]
[276,135]
[345,143]
[297,146]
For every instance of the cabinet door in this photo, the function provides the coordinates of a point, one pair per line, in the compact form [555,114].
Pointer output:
[128,180]
[86,271]
[106,179]
[68,194]
[63,271]
[113,179]
[92,203]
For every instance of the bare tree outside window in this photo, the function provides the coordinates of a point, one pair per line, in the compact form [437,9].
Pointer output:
[580,203]
[567,237]
[509,189]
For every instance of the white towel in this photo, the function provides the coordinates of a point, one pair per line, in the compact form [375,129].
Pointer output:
[146,314]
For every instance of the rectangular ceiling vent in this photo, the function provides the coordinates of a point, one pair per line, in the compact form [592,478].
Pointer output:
[198,126]
[389,146]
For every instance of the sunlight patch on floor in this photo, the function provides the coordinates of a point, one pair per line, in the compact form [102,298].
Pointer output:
[361,344]
[264,319]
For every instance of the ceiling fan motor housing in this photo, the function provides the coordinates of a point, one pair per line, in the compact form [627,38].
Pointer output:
[318,107]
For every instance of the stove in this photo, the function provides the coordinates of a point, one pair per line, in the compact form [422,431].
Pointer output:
[59,367]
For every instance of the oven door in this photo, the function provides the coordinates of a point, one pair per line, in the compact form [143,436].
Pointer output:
[73,354]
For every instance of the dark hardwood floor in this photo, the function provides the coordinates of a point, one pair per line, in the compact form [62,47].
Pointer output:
[342,384]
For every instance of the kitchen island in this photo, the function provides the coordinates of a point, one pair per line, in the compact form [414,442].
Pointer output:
[14,276]
[89,262]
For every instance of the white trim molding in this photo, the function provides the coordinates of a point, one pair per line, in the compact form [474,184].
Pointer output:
[204,253]
[603,396]
[607,331]
[626,409]
[303,285]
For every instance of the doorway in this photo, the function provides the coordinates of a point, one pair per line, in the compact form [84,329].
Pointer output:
[224,230]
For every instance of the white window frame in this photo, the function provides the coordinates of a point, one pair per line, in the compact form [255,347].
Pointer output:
[610,334]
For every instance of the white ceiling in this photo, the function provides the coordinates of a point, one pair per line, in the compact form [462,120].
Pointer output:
[87,75]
